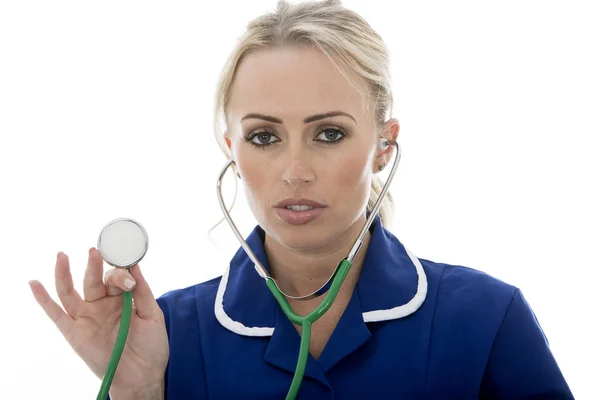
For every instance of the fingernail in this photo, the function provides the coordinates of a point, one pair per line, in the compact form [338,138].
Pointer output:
[59,253]
[129,283]
[92,249]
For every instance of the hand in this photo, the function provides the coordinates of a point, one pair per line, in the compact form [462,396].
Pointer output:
[90,325]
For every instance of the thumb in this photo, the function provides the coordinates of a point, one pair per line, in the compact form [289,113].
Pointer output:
[145,303]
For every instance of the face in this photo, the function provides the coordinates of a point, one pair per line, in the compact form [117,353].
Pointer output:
[290,150]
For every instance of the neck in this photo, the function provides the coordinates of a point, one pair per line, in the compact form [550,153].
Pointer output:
[299,272]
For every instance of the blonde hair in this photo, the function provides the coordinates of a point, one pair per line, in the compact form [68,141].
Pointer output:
[336,31]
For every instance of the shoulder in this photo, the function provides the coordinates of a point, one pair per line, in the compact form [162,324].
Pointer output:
[484,331]
[468,297]
[469,284]
[468,308]
[201,290]
[186,303]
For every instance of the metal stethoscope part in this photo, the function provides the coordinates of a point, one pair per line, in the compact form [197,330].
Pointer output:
[123,243]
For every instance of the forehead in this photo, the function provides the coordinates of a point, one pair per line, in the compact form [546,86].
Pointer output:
[294,82]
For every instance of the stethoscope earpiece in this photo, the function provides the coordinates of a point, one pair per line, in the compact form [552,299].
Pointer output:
[382,144]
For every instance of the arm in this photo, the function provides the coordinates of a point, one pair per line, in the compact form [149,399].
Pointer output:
[520,364]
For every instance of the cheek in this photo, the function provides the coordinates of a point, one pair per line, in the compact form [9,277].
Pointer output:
[351,178]
[256,178]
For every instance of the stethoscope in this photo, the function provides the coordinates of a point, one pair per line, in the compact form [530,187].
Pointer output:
[333,284]
[124,242]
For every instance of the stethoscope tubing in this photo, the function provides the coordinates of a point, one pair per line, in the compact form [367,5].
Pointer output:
[115,357]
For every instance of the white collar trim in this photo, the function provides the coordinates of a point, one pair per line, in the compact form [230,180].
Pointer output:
[369,316]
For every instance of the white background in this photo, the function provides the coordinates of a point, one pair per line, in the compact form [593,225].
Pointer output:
[105,112]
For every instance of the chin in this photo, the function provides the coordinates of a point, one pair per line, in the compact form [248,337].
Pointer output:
[302,241]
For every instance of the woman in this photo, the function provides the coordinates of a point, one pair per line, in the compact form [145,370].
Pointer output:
[305,97]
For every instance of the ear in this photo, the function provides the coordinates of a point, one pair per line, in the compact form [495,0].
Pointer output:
[228,141]
[390,131]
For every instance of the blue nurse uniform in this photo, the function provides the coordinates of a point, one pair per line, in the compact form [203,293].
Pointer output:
[413,329]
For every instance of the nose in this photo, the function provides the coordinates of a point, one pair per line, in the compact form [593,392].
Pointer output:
[298,170]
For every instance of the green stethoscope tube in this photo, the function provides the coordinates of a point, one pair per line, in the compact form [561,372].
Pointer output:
[118,348]
[306,322]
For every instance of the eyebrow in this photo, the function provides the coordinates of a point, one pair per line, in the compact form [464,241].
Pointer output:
[312,118]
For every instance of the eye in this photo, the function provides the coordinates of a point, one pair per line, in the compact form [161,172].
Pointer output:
[331,135]
[262,139]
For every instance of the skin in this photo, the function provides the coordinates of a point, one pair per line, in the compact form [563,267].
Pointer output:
[292,84]
[90,325]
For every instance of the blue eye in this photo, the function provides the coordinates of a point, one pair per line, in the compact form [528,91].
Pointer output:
[261,139]
[331,135]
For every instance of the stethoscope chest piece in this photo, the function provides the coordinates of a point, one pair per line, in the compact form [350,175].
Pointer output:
[123,242]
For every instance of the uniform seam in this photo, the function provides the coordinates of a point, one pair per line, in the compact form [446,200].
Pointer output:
[493,341]
[437,291]
[196,296]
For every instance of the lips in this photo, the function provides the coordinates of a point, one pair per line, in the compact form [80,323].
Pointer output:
[298,211]
[298,202]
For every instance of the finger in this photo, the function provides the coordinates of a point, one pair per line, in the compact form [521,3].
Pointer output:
[62,321]
[146,305]
[70,299]
[117,281]
[93,286]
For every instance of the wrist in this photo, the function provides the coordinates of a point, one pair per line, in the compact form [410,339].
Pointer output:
[153,392]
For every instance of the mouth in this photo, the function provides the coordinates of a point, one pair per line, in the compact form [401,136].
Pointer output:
[299,211]
[299,204]
[297,207]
